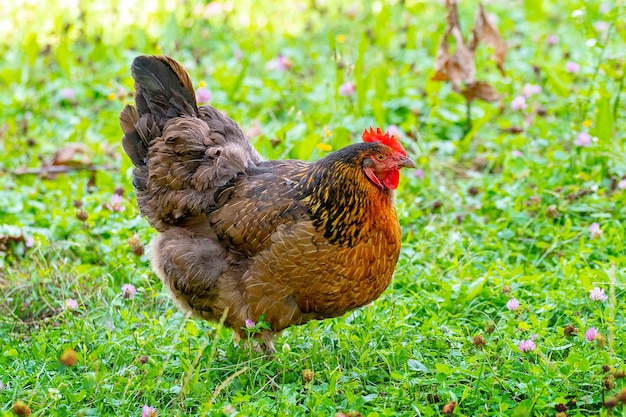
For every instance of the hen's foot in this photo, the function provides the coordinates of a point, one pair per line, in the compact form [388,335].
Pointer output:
[261,343]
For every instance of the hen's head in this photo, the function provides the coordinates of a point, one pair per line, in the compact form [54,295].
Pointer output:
[382,163]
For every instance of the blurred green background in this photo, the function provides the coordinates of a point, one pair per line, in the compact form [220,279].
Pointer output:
[508,205]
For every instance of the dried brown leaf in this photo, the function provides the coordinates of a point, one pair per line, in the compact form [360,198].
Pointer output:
[441,75]
[441,60]
[453,15]
[480,90]
[73,154]
[486,31]
[458,68]
[461,67]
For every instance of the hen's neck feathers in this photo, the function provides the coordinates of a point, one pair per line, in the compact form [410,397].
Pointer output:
[343,202]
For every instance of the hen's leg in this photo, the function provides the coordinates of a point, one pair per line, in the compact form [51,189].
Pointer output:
[262,342]
[267,338]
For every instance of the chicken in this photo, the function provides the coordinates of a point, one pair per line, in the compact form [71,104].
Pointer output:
[240,238]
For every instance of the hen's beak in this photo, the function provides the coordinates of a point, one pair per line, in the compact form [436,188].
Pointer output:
[405,162]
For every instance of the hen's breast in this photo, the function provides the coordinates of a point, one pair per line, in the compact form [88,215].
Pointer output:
[354,276]
[303,276]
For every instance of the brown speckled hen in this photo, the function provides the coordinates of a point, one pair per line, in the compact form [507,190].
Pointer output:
[243,238]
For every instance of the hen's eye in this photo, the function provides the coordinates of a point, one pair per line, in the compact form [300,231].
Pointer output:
[380,156]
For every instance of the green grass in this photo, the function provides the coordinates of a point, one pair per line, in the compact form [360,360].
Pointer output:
[485,224]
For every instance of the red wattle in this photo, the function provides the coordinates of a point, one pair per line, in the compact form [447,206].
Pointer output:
[392,179]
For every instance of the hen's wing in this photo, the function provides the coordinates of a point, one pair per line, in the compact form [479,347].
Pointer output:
[251,208]
[181,153]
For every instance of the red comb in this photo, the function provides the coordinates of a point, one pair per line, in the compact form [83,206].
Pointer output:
[386,138]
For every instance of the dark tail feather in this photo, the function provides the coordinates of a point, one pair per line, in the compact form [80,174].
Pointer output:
[134,146]
[162,88]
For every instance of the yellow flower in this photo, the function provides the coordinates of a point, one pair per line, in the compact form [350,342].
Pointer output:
[111,97]
[110,84]
[587,123]
[324,147]
[340,38]
[201,84]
